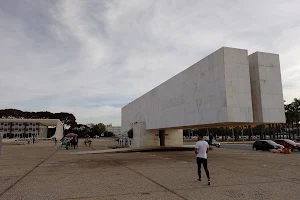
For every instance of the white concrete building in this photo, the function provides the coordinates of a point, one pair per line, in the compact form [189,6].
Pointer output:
[26,128]
[216,91]
[116,130]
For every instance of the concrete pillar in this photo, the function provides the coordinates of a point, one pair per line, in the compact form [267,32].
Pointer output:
[143,137]
[150,138]
[174,137]
[266,88]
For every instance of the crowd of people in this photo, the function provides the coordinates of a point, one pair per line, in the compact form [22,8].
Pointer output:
[124,142]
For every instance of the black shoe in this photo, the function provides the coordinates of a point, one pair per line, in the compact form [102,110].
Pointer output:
[199,179]
[208,182]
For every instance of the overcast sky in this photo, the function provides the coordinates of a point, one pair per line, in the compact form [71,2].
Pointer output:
[92,57]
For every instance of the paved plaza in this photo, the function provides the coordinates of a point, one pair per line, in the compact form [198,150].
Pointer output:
[40,171]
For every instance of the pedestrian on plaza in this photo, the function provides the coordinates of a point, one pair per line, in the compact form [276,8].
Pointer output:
[55,142]
[201,150]
[72,142]
[1,143]
[33,139]
[76,142]
[211,137]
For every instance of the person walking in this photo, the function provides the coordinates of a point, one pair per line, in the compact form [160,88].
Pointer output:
[211,137]
[55,142]
[76,142]
[201,150]
[1,143]
[72,142]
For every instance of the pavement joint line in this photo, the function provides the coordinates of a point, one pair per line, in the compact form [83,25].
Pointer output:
[167,189]
[22,177]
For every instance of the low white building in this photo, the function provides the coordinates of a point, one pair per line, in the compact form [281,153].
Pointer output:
[116,130]
[27,128]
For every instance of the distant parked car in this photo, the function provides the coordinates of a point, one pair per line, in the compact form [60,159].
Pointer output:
[288,144]
[214,143]
[266,145]
[219,137]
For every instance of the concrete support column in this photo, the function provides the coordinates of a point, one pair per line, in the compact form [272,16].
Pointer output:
[143,137]
[174,137]
[150,138]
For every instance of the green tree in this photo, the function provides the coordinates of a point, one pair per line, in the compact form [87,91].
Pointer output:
[97,129]
[80,129]
[292,113]
[101,128]
[68,119]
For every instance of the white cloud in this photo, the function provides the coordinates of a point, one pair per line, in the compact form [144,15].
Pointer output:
[93,57]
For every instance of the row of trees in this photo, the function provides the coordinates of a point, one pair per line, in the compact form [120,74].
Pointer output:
[290,129]
[68,119]
[270,131]
[82,130]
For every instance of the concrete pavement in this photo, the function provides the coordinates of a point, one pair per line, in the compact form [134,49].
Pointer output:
[42,172]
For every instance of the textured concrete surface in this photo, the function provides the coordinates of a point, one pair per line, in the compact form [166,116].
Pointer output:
[43,172]
[266,88]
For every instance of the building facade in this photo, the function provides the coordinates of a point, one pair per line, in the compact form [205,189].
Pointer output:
[116,130]
[227,88]
[23,129]
[27,128]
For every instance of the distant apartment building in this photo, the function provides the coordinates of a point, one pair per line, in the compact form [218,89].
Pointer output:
[116,130]
[27,128]
[23,129]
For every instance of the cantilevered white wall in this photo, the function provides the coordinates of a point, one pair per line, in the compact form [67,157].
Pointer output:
[215,90]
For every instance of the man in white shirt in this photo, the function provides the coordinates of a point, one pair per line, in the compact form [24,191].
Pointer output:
[201,150]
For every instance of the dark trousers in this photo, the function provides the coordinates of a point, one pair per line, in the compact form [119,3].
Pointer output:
[204,162]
